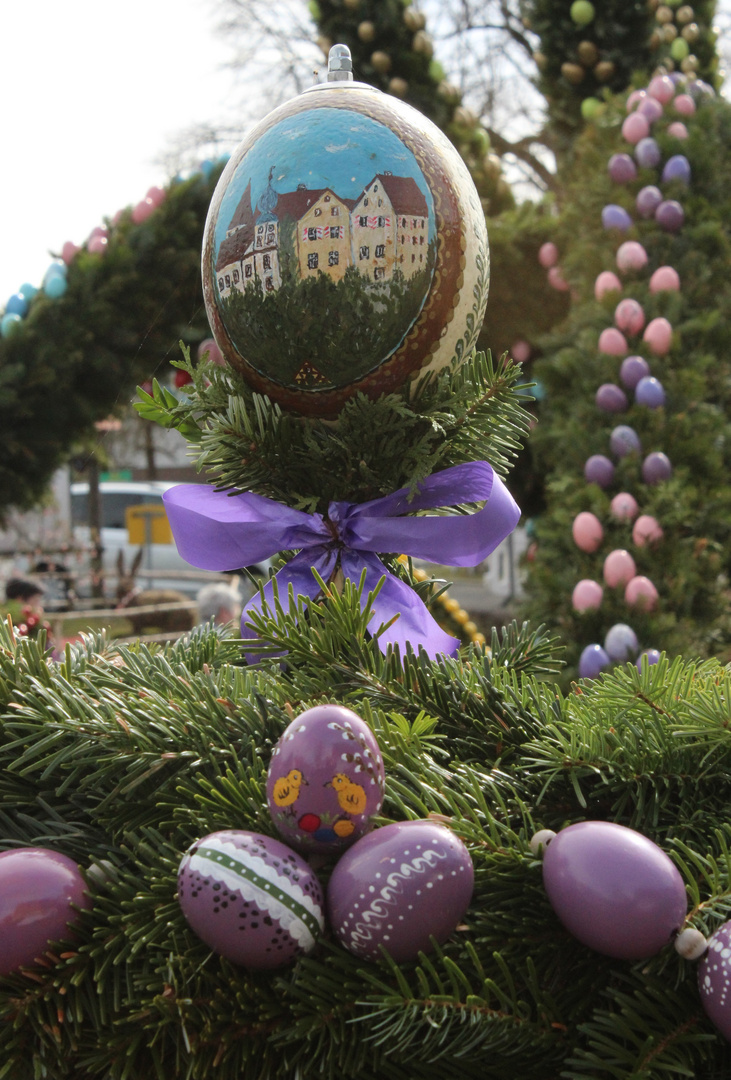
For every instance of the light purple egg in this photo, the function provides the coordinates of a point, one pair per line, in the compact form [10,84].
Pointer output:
[647,201]
[624,440]
[598,469]
[621,168]
[325,779]
[616,217]
[650,392]
[670,215]
[647,153]
[250,898]
[677,167]
[651,655]
[632,370]
[592,662]
[714,980]
[611,398]
[39,891]
[399,886]
[656,468]
[621,643]
[614,889]
[651,108]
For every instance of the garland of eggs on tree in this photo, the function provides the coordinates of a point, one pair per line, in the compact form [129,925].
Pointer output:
[400,888]
[645,107]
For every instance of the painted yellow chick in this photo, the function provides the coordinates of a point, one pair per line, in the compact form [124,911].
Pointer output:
[287,788]
[351,797]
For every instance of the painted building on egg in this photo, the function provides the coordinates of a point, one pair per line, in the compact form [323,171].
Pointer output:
[386,228]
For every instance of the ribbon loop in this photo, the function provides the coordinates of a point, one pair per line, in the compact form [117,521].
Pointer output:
[217,531]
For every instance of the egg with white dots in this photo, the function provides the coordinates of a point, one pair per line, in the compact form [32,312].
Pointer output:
[399,887]
[326,780]
[250,898]
[714,980]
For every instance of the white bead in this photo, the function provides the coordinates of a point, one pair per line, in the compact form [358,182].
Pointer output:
[540,840]
[690,943]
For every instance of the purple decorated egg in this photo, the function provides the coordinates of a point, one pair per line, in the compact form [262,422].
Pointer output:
[677,167]
[632,370]
[598,469]
[325,779]
[624,440]
[670,215]
[650,108]
[647,153]
[650,392]
[398,887]
[647,201]
[613,889]
[610,398]
[592,662]
[621,643]
[652,656]
[714,980]
[250,898]
[656,468]
[39,891]
[616,217]
[621,168]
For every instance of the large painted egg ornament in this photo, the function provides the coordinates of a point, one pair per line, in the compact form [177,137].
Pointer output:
[40,891]
[397,888]
[345,248]
[714,980]
[250,898]
[325,780]
[614,889]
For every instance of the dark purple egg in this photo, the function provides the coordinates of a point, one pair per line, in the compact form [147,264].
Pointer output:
[651,655]
[616,217]
[399,886]
[621,168]
[647,153]
[650,392]
[632,370]
[647,201]
[677,167]
[656,468]
[325,779]
[670,215]
[614,889]
[714,980]
[598,469]
[592,662]
[624,440]
[250,898]
[611,398]
[39,890]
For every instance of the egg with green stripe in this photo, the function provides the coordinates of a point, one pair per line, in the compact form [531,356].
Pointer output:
[250,898]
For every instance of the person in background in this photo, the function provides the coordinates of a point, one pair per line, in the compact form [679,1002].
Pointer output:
[220,603]
[30,596]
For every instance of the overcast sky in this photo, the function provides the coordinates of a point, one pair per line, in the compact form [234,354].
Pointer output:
[92,94]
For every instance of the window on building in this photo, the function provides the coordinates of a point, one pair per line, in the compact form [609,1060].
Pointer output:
[335,211]
[421,239]
[247,270]
[379,272]
[327,198]
[363,222]
[365,202]
[380,202]
[220,283]
[269,284]
[312,261]
[413,223]
[336,232]
[375,188]
[312,234]
[318,211]
[403,238]
[413,258]
[270,231]
[380,251]
[403,222]
[333,258]
[364,252]
[381,222]
[267,262]
[228,281]
[236,277]
[259,240]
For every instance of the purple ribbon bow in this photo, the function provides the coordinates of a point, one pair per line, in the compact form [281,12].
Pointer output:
[216,531]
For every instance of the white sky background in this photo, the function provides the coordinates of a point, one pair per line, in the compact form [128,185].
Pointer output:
[93,94]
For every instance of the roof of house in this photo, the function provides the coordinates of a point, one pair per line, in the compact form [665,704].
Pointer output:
[403,191]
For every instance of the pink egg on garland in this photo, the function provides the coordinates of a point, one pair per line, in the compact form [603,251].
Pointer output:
[556,279]
[635,127]
[606,282]
[69,252]
[587,531]
[684,105]
[623,507]
[587,595]
[520,351]
[97,244]
[635,98]
[142,211]
[631,256]
[646,531]
[613,342]
[665,279]
[659,336]
[629,316]
[614,889]
[662,89]
[156,195]
[209,346]
[619,568]
[640,592]
[548,255]
[677,130]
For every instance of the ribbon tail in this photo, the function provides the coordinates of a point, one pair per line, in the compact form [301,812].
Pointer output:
[413,625]
[297,573]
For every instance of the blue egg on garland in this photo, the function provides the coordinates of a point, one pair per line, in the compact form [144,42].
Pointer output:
[17,305]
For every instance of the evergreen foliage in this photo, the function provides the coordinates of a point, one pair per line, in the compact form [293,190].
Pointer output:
[690,567]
